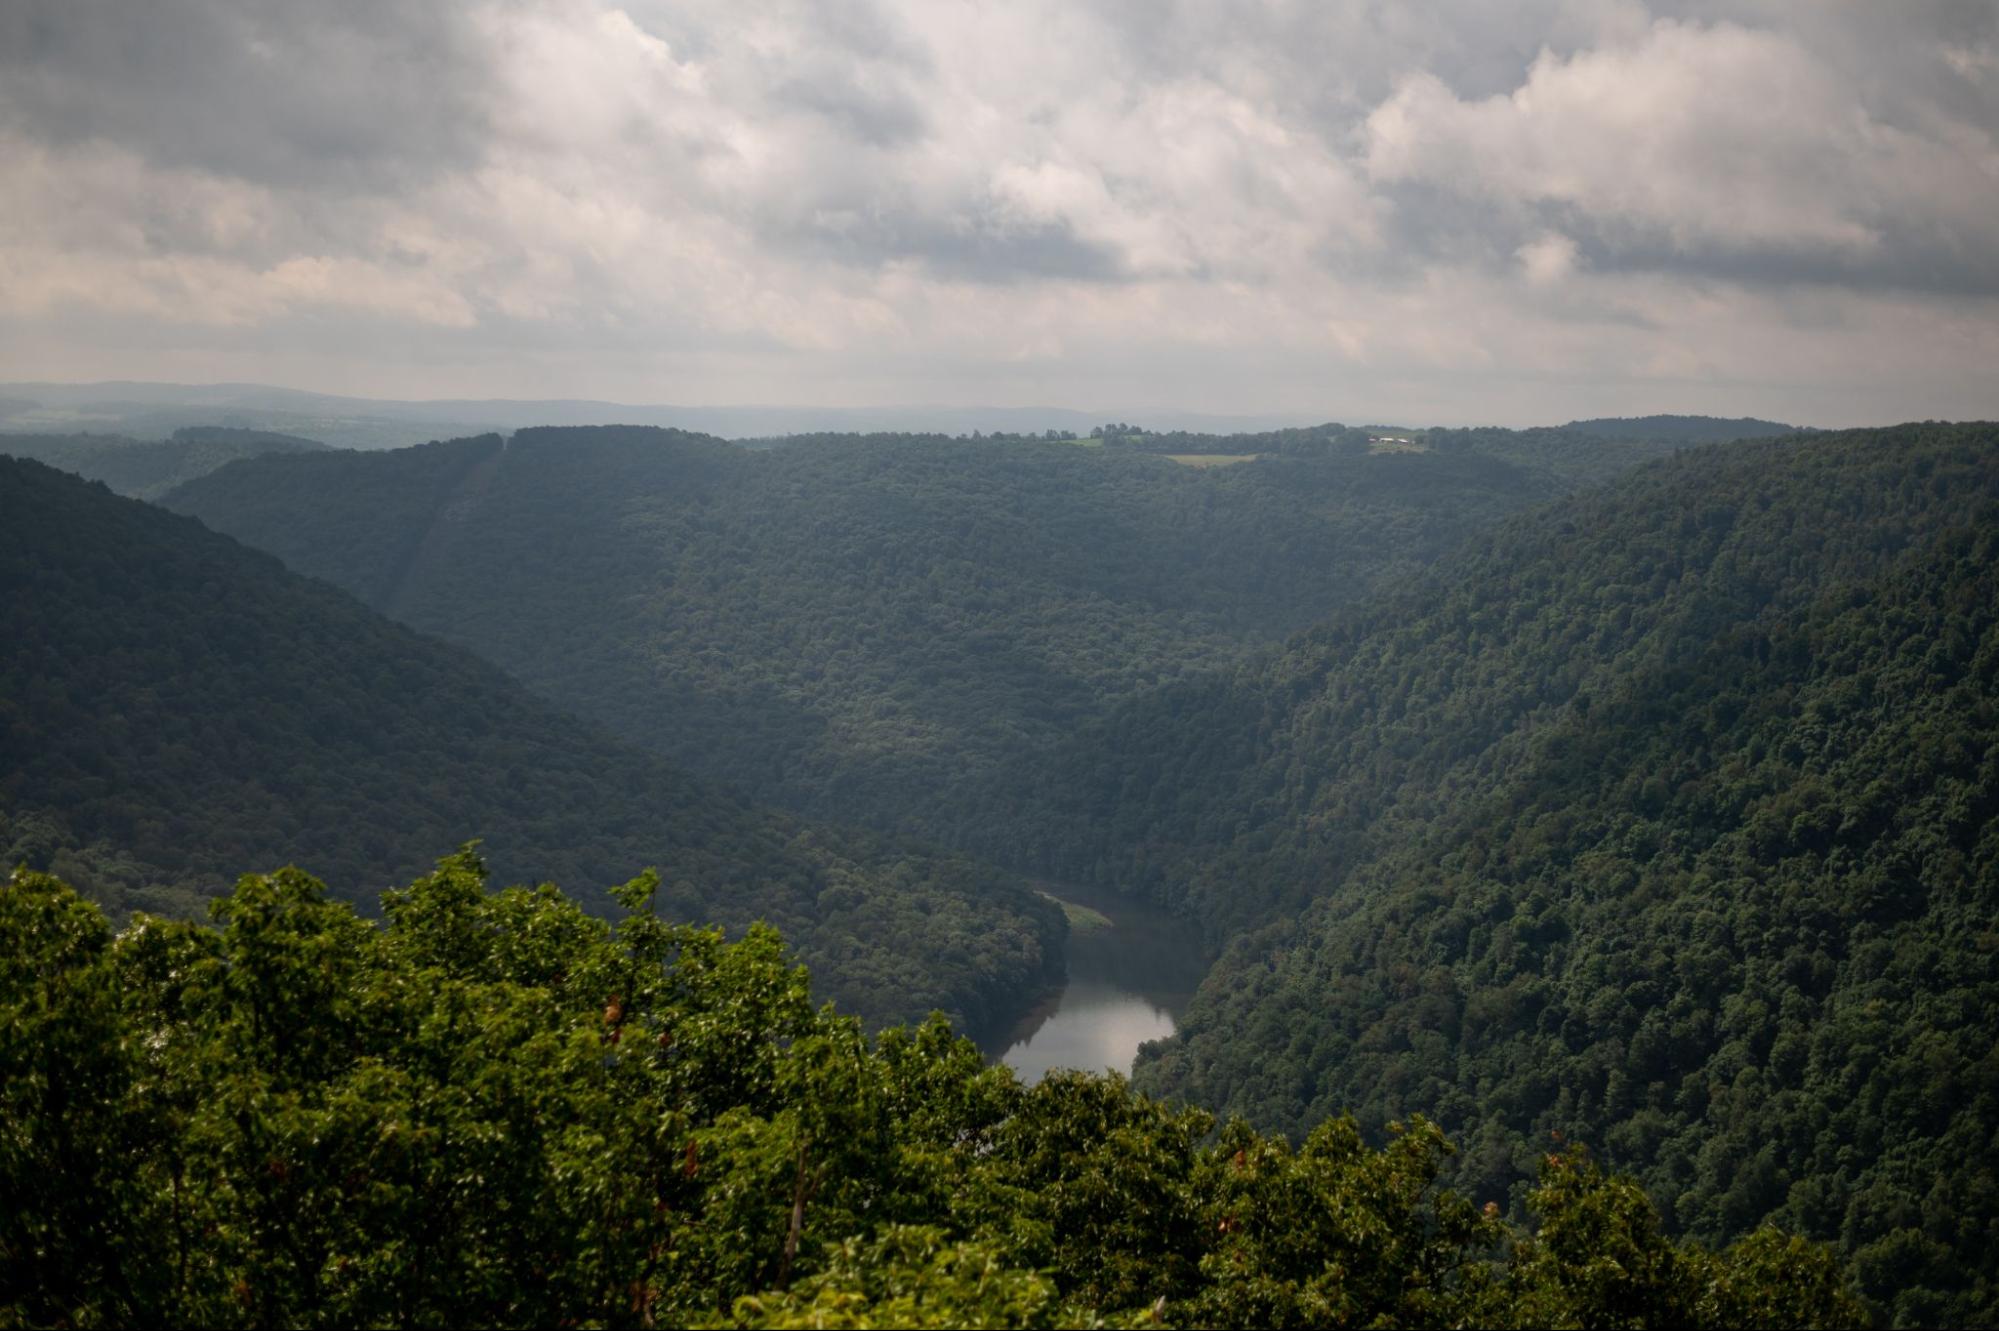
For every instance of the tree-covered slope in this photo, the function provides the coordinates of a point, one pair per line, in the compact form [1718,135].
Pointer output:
[866,628]
[1666,817]
[1563,460]
[495,1110]
[1684,429]
[147,469]
[174,706]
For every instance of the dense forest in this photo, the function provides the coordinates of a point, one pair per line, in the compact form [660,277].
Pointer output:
[495,1109]
[147,469]
[1581,451]
[1667,816]
[174,706]
[1679,429]
[864,628]
[1547,786]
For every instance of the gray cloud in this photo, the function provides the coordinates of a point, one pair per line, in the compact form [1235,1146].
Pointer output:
[878,117]
[976,241]
[1266,203]
[290,91]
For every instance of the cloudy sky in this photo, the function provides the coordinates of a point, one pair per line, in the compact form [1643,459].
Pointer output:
[1500,210]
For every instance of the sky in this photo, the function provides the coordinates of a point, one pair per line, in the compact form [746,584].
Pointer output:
[1504,211]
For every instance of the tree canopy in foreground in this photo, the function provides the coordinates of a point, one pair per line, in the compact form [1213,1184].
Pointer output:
[496,1109]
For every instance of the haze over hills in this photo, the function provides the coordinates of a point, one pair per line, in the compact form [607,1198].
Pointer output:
[156,410]
[1682,429]
[868,628]
[148,468]
[148,409]
[176,709]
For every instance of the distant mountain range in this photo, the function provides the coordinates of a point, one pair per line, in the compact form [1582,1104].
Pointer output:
[147,410]
[155,411]
[147,469]
[1681,429]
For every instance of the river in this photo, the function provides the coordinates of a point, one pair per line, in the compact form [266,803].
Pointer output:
[1131,969]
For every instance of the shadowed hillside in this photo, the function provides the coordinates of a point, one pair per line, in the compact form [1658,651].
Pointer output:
[174,706]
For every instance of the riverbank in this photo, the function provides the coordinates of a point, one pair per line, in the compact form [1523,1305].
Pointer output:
[1131,969]
[1082,919]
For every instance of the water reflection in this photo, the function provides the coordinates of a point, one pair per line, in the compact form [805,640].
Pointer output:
[1128,983]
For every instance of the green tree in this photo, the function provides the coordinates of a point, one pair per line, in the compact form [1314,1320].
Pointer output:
[490,1108]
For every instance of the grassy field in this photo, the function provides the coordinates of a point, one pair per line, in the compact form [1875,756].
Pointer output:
[1212,459]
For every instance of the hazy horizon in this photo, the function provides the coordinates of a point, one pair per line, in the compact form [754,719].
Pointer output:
[154,409]
[1513,213]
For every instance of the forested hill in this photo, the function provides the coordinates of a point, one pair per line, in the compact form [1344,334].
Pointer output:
[1666,817]
[174,707]
[866,628]
[146,469]
[1683,429]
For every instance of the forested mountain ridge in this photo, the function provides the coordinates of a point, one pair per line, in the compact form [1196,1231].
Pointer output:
[174,706]
[147,469]
[1666,817]
[863,628]
[1683,429]
[1381,705]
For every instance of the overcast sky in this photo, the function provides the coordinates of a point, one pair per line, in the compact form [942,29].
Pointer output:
[1497,210]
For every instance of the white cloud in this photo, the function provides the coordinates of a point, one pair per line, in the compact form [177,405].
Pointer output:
[1696,139]
[1547,258]
[1972,63]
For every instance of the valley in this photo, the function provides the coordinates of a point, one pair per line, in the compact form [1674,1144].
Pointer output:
[1631,789]
[755,666]
[1129,971]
